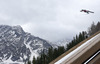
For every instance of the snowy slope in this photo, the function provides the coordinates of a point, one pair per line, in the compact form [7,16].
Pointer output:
[19,46]
[62,42]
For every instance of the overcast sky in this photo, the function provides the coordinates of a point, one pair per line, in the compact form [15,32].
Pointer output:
[50,19]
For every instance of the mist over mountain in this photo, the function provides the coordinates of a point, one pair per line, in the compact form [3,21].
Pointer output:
[18,45]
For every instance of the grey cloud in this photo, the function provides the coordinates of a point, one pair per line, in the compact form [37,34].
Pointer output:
[49,19]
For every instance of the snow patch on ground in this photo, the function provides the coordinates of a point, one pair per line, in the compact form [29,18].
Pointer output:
[9,61]
[33,54]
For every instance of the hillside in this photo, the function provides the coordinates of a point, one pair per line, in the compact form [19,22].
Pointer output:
[18,45]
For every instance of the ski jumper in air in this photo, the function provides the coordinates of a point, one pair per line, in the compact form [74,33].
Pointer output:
[86,11]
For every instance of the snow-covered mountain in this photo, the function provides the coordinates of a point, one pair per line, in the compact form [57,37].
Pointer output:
[17,45]
[62,42]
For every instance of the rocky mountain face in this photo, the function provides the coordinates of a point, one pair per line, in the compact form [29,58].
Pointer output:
[17,45]
[62,42]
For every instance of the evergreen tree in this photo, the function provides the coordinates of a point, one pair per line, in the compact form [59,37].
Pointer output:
[29,62]
[93,28]
[34,60]
[77,40]
[55,52]
[50,54]
[55,55]
[97,27]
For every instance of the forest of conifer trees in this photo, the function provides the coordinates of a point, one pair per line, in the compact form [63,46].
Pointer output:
[53,53]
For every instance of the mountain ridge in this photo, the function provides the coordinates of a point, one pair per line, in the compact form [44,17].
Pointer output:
[18,45]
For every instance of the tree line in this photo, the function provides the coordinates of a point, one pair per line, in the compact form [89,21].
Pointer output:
[53,53]
[94,28]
